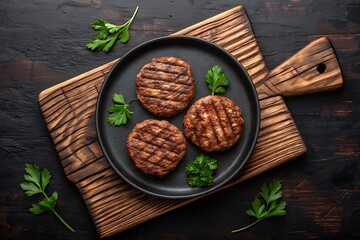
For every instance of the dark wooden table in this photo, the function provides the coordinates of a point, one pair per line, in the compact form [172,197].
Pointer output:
[42,43]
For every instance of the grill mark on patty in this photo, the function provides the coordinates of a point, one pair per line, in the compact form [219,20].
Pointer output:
[156,147]
[162,89]
[224,120]
[164,85]
[165,136]
[159,144]
[200,124]
[213,123]
[194,130]
[153,101]
[154,150]
[162,131]
[162,95]
[234,118]
[167,68]
[219,121]
[149,164]
[169,143]
[145,162]
[167,130]
[168,77]
[149,156]
[227,116]
[162,163]
[196,135]
[205,105]
[169,61]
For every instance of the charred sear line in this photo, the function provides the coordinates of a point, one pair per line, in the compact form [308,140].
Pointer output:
[224,119]
[162,95]
[156,147]
[142,160]
[167,68]
[205,106]
[155,102]
[159,144]
[162,159]
[167,77]
[227,116]
[164,86]
[164,132]
[194,133]
[215,121]
[141,134]
[162,163]
[236,119]
[198,126]
[217,112]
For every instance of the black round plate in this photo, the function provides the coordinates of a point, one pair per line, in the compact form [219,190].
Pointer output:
[202,56]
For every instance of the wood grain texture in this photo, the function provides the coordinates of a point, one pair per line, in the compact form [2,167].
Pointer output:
[313,69]
[43,44]
[69,109]
[232,31]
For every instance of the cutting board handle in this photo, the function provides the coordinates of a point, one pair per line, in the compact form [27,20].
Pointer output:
[314,68]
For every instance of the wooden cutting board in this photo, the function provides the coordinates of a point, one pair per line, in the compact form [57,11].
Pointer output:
[69,112]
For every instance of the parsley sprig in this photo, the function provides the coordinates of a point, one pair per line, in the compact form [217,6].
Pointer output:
[36,181]
[108,33]
[270,206]
[200,171]
[216,80]
[119,112]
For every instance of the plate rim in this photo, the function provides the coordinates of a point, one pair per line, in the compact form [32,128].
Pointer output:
[177,37]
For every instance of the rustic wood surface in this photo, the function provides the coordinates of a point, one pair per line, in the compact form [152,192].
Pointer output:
[69,110]
[312,69]
[321,187]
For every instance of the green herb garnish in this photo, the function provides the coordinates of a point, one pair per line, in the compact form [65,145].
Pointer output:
[119,112]
[216,80]
[36,181]
[108,34]
[270,206]
[200,171]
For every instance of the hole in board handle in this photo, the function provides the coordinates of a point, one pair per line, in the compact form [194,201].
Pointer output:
[321,68]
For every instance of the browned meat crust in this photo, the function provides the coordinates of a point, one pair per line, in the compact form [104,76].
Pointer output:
[213,123]
[156,147]
[165,86]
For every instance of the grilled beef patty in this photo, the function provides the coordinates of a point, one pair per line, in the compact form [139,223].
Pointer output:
[156,147]
[165,86]
[213,123]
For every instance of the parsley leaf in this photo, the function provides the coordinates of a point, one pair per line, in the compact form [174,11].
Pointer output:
[36,181]
[270,206]
[108,33]
[216,80]
[101,44]
[200,171]
[99,25]
[119,112]
[44,205]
